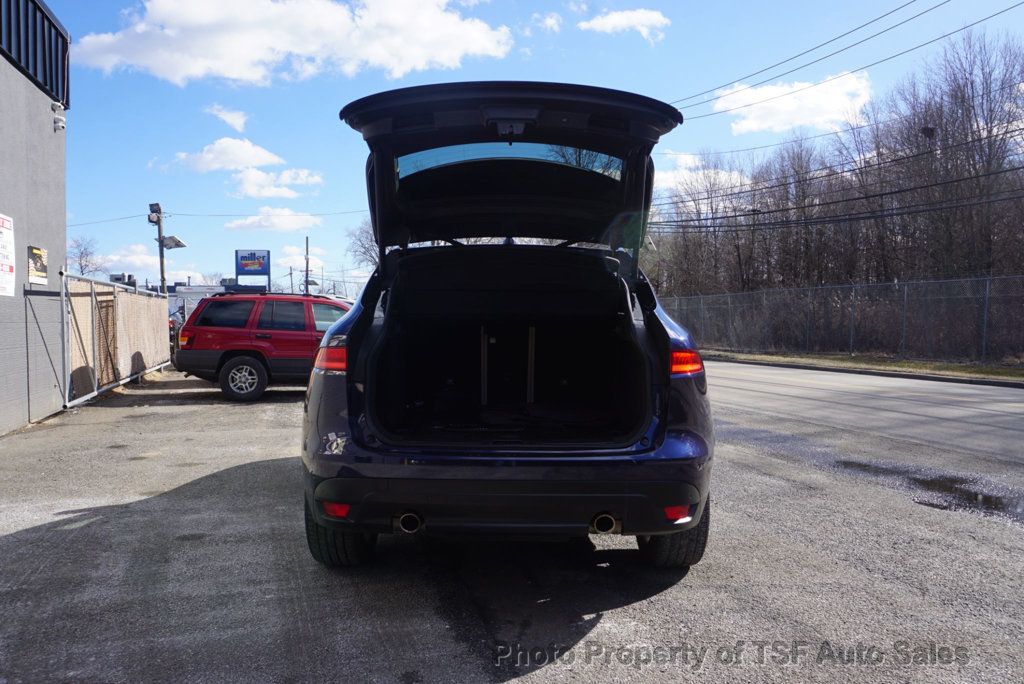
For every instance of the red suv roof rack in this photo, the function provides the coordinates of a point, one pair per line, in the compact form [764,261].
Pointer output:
[275,294]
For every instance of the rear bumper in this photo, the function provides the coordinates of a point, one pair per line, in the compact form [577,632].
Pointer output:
[197,361]
[451,506]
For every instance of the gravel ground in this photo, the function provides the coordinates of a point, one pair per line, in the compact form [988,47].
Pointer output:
[157,535]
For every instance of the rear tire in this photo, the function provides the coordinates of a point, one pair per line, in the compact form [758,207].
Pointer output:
[337,548]
[679,549]
[243,378]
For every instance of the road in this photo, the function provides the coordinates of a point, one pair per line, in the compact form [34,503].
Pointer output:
[157,535]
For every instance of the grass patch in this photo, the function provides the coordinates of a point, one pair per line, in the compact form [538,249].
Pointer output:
[966,369]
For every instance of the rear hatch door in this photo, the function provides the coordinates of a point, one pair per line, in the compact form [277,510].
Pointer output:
[509,159]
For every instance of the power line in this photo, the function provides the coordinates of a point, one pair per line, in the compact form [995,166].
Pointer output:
[192,215]
[796,56]
[716,153]
[297,214]
[866,66]
[819,59]
[753,187]
[662,227]
[859,198]
[110,220]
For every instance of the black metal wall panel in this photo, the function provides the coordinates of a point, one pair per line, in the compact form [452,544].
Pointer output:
[37,44]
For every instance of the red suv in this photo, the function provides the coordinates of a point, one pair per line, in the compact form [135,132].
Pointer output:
[246,341]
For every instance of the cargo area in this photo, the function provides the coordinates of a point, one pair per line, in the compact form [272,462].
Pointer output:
[528,345]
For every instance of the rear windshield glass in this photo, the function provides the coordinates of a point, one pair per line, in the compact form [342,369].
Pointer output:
[555,154]
[225,314]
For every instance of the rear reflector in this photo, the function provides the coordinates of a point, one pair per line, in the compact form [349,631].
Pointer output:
[686,362]
[336,510]
[332,359]
[677,513]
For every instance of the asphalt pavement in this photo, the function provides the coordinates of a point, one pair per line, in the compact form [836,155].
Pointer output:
[864,529]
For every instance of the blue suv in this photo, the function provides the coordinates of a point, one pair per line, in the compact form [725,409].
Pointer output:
[507,369]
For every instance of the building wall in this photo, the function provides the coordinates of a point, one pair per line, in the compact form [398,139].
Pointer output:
[32,192]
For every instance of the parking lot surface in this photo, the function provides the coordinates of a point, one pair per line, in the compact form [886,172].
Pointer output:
[864,529]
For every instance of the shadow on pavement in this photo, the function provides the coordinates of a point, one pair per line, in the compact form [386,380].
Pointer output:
[212,580]
[175,389]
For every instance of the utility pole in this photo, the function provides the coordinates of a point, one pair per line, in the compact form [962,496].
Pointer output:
[305,282]
[156,217]
[291,279]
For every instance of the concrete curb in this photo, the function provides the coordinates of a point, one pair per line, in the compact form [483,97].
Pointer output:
[992,382]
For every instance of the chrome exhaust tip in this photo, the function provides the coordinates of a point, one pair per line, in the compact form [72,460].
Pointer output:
[410,523]
[604,523]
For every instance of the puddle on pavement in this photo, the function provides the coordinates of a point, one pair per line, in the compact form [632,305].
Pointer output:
[953,492]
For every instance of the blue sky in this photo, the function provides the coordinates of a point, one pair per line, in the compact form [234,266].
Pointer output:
[228,109]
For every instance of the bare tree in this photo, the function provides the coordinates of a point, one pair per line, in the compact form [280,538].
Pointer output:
[363,245]
[83,258]
[585,159]
[213,278]
[924,182]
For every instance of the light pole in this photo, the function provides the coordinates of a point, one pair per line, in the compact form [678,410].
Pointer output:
[156,217]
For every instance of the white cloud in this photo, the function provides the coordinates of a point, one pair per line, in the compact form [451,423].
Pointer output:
[577,7]
[295,250]
[825,107]
[132,259]
[294,257]
[264,184]
[183,276]
[647,22]
[274,218]
[687,176]
[229,154]
[672,167]
[552,21]
[231,117]
[252,41]
[141,261]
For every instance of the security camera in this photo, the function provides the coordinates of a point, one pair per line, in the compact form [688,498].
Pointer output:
[59,123]
[57,107]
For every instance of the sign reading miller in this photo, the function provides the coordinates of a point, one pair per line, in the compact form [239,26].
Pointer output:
[252,262]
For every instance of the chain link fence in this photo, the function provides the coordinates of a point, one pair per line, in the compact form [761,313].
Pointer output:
[979,319]
[112,334]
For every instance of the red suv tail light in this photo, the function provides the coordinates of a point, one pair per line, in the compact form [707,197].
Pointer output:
[185,339]
[332,359]
[686,362]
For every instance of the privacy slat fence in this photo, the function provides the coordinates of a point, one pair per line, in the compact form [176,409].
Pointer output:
[979,319]
[112,334]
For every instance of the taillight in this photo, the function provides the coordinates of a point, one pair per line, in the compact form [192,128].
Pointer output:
[679,513]
[336,510]
[686,362]
[332,359]
[185,339]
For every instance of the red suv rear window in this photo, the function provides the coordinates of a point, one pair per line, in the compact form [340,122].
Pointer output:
[225,314]
[283,316]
